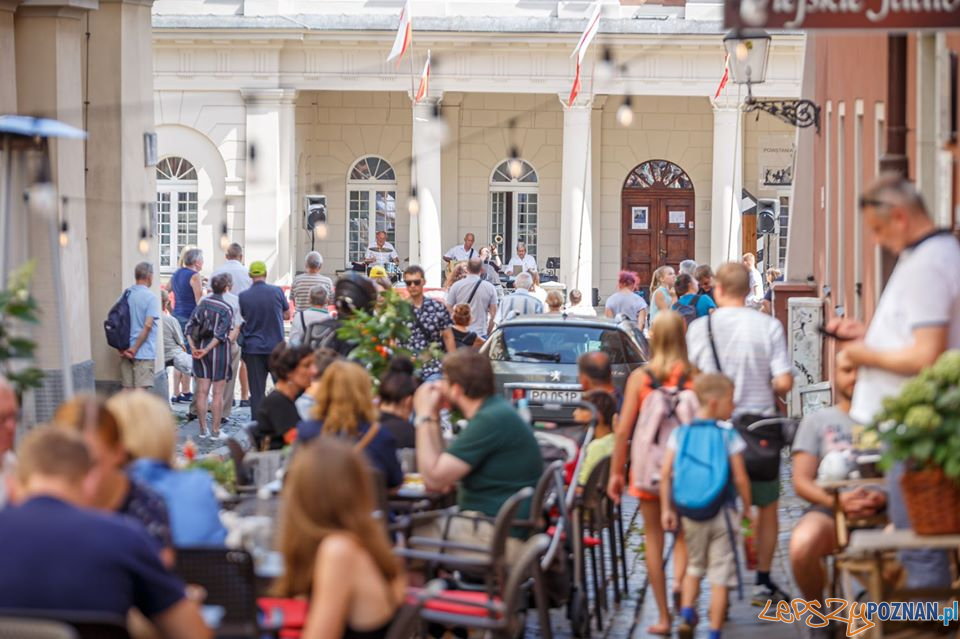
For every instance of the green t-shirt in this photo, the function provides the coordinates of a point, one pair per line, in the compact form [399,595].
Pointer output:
[596,451]
[503,456]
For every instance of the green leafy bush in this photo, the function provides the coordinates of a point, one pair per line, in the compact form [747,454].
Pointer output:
[17,307]
[921,425]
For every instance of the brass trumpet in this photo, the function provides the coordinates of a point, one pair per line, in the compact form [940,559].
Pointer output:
[498,239]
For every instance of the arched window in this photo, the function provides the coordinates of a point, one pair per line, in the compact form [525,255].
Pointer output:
[176,209]
[658,174]
[371,204]
[514,206]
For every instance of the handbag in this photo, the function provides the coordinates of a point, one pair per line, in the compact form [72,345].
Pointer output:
[762,456]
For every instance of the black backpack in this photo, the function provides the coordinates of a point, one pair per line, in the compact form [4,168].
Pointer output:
[117,324]
[687,311]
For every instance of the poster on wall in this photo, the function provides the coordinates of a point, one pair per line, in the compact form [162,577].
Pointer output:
[640,216]
[678,217]
[776,162]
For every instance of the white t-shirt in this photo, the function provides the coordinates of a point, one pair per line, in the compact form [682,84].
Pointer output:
[528,263]
[906,305]
[238,273]
[582,310]
[382,256]
[752,349]
[755,297]
[460,254]
[735,443]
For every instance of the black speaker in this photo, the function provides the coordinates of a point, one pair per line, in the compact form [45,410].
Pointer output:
[595,297]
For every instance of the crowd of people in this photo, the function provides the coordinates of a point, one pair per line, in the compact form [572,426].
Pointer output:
[105,474]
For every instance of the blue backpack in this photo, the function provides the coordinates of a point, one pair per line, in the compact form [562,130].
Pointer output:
[701,470]
[117,324]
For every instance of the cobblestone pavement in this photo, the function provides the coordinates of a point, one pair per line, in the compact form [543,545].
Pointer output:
[743,621]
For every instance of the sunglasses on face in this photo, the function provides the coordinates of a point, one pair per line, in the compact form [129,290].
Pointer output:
[413,282]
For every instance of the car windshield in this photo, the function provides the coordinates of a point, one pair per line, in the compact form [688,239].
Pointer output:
[559,344]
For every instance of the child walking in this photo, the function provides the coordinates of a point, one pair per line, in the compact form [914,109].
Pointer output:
[707,456]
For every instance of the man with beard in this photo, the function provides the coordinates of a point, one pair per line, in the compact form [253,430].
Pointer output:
[494,457]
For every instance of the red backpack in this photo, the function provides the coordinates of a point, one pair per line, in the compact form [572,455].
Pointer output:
[664,409]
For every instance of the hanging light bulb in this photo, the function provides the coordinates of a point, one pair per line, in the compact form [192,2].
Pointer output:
[413,204]
[515,164]
[625,113]
[64,238]
[224,237]
[144,244]
[320,231]
[42,198]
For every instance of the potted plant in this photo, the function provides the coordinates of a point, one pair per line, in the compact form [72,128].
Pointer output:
[921,427]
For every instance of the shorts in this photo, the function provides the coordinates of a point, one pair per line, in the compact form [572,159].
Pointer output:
[467,528]
[709,550]
[136,373]
[764,493]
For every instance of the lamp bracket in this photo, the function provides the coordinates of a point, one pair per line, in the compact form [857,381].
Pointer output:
[800,113]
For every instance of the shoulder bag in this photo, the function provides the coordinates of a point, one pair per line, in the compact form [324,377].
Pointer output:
[764,442]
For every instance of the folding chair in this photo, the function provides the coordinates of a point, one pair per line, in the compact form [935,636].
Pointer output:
[228,577]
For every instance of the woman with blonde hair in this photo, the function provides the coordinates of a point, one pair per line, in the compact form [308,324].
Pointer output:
[345,409]
[336,555]
[669,368]
[107,486]
[149,434]
[661,291]
[554,302]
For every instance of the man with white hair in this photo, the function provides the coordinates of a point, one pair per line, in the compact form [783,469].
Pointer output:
[9,413]
[688,267]
[522,261]
[304,282]
[521,300]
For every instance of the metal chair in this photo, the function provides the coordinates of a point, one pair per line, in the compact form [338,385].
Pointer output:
[24,628]
[228,577]
[501,615]
[591,519]
[84,624]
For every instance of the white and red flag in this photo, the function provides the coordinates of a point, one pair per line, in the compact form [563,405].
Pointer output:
[424,87]
[593,25]
[404,35]
[725,77]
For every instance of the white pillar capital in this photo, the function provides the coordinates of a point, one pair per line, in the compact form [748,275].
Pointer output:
[268,97]
[429,101]
[726,102]
[583,102]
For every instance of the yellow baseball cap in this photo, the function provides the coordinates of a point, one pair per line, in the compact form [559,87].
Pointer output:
[378,271]
[258,269]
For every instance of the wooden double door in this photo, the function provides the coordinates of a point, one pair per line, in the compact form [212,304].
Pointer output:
[657,229]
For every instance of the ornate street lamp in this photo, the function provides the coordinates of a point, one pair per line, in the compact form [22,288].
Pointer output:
[749,51]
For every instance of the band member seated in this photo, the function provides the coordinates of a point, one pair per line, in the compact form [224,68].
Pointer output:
[382,252]
[461,253]
[523,260]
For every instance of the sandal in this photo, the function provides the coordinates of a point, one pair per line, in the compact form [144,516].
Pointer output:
[661,631]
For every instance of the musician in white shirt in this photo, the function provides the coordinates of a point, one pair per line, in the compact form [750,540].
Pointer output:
[521,258]
[382,252]
[462,253]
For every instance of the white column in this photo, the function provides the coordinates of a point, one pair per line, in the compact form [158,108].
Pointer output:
[576,202]
[727,182]
[425,247]
[269,207]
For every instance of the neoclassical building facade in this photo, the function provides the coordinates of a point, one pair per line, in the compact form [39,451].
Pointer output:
[260,105]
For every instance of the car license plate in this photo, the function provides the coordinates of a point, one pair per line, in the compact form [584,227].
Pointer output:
[554,396]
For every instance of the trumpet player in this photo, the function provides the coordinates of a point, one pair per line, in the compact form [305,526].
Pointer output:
[491,264]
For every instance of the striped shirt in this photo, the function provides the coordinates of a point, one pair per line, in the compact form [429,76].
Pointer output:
[303,283]
[752,351]
[522,302]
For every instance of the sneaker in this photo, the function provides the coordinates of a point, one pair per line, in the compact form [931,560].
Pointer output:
[763,593]
[244,403]
[202,435]
[186,397]
[221,435]
[224,420]
[191,417]
[175,399]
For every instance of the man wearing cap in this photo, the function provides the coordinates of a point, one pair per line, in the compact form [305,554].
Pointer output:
[264,308]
